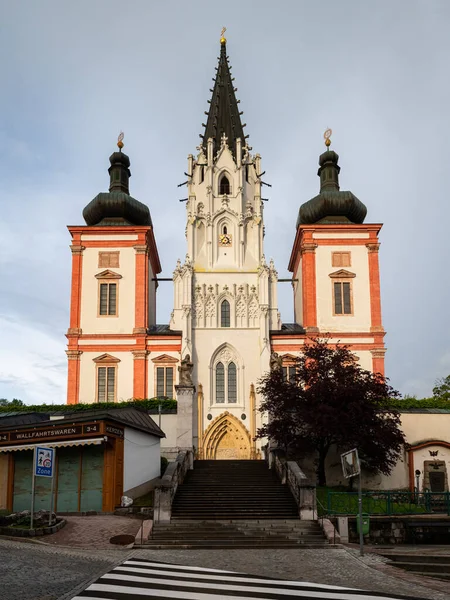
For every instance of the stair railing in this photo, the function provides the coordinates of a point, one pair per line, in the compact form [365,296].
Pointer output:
[165,491]
[303,490]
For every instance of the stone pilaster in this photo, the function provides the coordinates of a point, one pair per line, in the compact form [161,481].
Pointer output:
[185,416]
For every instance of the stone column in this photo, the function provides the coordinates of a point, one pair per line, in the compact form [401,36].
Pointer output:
[185,413]
[200,421]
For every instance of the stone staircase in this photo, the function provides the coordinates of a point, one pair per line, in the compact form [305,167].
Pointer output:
[233,489]
[235,504]
[422,563]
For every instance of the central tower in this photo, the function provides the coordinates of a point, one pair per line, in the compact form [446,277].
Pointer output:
[225,293]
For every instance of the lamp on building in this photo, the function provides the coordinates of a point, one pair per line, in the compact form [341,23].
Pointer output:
[417,473]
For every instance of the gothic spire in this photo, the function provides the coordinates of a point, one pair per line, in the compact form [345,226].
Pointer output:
[223,115]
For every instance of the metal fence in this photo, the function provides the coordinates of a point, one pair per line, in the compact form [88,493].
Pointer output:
[389,503]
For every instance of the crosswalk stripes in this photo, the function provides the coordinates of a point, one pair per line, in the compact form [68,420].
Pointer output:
[137,579]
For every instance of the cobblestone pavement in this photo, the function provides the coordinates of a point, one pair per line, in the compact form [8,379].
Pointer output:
[34,571]
[330,566]
[92,532]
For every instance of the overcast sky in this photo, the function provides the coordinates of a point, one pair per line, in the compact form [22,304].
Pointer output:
[73,74]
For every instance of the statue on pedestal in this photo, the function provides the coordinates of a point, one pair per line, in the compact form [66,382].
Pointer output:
[185,371]
[276,362]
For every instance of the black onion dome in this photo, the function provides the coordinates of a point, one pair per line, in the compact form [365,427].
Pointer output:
[117,207]
[331,205]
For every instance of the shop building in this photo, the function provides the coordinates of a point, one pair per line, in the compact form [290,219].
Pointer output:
[100,456]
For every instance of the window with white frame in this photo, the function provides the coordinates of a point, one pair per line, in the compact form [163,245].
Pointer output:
[164,382]
[106,384]
[106,367]
[108,293]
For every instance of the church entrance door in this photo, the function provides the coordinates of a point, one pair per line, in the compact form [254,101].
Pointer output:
[226,438]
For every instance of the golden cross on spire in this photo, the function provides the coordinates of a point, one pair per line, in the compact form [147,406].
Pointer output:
[223,40]
[326,137]
[120,140]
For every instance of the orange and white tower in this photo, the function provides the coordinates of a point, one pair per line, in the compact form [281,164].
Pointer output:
[113,297]
[335,269]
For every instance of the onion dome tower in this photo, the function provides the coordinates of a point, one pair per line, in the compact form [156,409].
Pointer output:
[117,207]
[331,205]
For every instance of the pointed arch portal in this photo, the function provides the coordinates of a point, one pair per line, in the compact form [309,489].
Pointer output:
[226,438]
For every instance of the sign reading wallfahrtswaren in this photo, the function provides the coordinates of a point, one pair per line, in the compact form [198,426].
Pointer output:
[47,433]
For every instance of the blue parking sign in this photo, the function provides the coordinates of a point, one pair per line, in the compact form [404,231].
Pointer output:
[43,466]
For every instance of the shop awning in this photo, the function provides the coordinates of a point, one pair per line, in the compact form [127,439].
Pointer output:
[61,444]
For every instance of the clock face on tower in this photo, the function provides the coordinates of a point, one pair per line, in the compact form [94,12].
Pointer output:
[225,239]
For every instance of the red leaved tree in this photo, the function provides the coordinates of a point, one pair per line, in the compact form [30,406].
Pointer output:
[332,401]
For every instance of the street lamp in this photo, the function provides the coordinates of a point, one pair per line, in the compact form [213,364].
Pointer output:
[417,473]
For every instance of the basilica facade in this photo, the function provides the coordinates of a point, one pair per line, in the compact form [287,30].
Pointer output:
[225,327]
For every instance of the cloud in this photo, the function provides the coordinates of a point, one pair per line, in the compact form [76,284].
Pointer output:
[32,363]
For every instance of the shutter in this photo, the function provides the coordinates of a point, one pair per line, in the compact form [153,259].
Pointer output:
[347,299]
[23,466]
[68,479]
[103,298]
[285,373]
[169,382]
[337,299]
[101,384]
[232,383]
[160,382]
[91,493]
[112,299]
[220,383]
[111,384]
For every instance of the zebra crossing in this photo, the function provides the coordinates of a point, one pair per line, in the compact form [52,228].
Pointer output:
[137,579]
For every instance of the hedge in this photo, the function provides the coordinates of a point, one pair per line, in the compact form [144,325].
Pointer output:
[149,403]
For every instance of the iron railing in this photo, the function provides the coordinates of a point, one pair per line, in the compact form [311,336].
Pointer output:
[389,503]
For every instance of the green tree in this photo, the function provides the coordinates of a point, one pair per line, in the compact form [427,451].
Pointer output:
[332,401]
[441,389]
[14,403]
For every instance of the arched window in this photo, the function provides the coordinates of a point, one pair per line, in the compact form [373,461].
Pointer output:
[225,314]
[232,383]
[220,383]
[224,229]
[224,186]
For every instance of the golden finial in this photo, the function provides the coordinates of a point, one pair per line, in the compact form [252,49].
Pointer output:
[223,40]
[120,140]
[326,137]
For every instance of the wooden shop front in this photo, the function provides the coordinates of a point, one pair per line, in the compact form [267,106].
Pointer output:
[89,462]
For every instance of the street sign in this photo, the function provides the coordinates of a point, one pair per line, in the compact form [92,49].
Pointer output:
[44,462]
[350,463]
[352,467]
